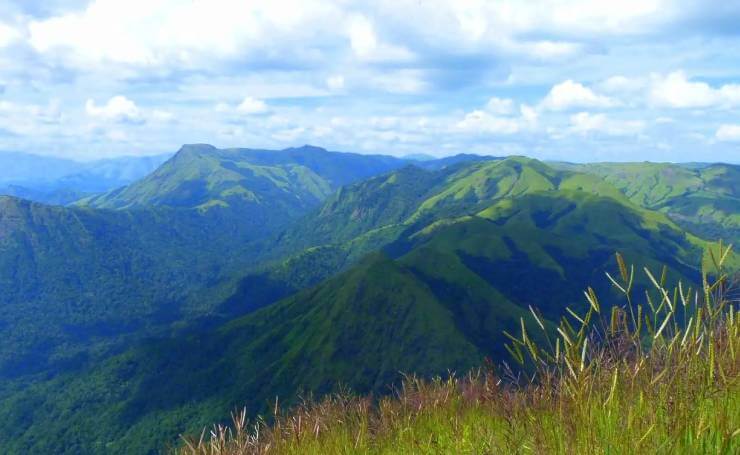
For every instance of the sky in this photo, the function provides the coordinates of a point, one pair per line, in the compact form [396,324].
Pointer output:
[628,80]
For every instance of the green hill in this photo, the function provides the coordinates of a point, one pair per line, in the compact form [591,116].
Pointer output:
[201,176]
[80,281]
[478,246]
[704,199]
[602,388]
[374,213]
[74,278]
[230,277]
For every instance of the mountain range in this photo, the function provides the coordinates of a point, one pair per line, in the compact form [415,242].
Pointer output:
[227,277]
[701,197]
[61,181]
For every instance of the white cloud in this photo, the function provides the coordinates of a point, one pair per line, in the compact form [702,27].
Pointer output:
[728,133]
[362,36]
[622,85]
[29,119]
[117,109]
[604,16]
[585,122]
[508,25]
[500,105]
[162,116]
[482,122]
[159,32]
[367,46]
[529,115]
[8,35]
[167,32]
[675,90]
[252,105]
[178,58]
[268,84]
[335,82]
[548,50]
[569,95]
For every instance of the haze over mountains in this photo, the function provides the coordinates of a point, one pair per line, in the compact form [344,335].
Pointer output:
[225,277]
[60,181]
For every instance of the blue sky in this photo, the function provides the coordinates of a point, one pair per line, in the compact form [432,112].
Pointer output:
[591,80]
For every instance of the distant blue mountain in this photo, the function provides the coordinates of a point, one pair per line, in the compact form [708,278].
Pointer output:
[61,181]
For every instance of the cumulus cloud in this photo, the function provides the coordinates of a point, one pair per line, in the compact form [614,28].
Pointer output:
[675,90]
[622,85]
[547,50]
[160,32]
[495,119]
[569,95]
[8,35]
[728,133]
[362,36]
[117,109]
[248,106]
[161,116]
[585,122]
[252,105]
[368,46]
[529,114]
[396,75]
[172,32]
[500,105]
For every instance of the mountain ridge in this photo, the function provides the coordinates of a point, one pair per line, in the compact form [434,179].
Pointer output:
[414,269]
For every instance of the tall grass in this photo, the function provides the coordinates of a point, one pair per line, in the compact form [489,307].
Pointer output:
[660,376]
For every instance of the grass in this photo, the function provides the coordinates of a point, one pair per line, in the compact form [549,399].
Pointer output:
[658,376]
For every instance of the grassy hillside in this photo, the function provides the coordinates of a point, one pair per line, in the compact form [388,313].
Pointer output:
[202,176]
[82,283]
[704,199]
[380,212]
[377,212]
[76,277]
[440,302]
[603,388]
[415,270]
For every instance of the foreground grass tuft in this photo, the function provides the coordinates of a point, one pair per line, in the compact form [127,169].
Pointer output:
[659,376]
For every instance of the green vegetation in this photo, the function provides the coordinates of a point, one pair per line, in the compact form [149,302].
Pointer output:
[229,277]
[438,298]
[72,278]
[704,199]
[78,282]
[201,176]
[606,382]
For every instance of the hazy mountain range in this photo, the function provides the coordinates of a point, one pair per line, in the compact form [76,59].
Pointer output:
[225,277]
[60,181]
